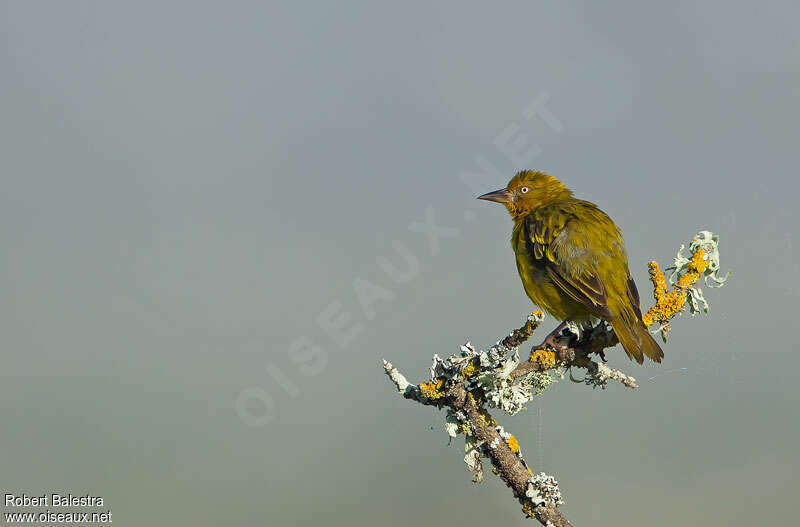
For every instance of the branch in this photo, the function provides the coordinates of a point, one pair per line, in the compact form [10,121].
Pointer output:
[469,383]
[537,499]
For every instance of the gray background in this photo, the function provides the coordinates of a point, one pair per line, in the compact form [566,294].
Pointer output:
[187,186]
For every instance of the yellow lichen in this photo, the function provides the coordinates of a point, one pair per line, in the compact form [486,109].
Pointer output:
[528,507]
[546,359]
[487,418]
[669,303]
[432,390]
[470,370]
[513,444]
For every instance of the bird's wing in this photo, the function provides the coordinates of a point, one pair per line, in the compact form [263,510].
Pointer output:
[572,241]
[633,296]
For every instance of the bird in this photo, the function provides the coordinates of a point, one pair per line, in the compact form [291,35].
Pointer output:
[572,260]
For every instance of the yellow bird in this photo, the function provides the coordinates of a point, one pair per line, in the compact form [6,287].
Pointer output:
[572,260]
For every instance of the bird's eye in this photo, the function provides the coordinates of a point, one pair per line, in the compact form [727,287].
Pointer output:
[524,190]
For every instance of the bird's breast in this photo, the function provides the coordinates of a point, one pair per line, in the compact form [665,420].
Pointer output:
[539,286]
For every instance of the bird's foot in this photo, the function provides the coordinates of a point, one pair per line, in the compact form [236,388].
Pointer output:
[551,340]
[563,353]
[551,343]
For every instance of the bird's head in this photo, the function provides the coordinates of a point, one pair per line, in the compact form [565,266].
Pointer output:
[527,191]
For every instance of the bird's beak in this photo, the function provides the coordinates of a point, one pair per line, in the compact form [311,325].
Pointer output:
[500,196]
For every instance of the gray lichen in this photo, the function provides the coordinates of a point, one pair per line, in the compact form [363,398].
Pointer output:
[598,375]
[492,375]
[512,397]
[472,457]
[543,490]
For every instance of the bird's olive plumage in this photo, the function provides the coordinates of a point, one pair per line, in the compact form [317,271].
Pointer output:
[572,260]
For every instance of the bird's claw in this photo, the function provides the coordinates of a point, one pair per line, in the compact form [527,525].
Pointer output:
[551,343]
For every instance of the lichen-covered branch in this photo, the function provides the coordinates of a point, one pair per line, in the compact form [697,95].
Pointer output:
[472,382]
[686,272]
[539,494]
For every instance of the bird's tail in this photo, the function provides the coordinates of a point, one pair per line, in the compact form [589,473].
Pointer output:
[635,337]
